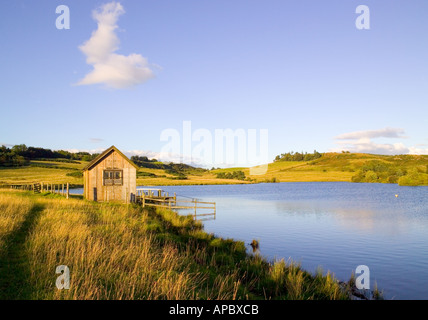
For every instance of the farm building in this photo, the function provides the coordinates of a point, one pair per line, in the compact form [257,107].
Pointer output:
[110,177]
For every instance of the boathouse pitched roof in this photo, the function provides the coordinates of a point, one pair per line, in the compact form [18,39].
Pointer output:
[105,154]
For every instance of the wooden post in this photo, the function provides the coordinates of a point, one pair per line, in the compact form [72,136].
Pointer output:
[144,199]
[195,208]
[68,190]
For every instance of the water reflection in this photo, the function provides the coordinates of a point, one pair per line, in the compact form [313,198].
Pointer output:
[353,219]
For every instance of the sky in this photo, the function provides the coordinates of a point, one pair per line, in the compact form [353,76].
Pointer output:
[148,76]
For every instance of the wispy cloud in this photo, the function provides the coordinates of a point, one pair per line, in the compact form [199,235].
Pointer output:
[166,157]
[415,150]
[368,146]
[8,145]
[361,142]
[370,134]
[91,151]
[96,140]
[109,68]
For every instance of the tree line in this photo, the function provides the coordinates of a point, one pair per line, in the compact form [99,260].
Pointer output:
[179,171]
[298,156]
[381,172]
[20,155]
[238,175]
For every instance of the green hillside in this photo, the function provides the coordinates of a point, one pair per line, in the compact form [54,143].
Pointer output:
[406,170]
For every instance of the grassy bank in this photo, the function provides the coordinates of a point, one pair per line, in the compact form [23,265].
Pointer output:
[125,252]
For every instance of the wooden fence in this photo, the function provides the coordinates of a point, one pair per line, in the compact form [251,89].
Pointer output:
[62,189]
[145,197]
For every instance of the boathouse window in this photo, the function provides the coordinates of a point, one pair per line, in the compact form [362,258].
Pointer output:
[113,177]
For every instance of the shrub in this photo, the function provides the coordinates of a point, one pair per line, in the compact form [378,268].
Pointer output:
[75,174]
[371,176]
[238,175]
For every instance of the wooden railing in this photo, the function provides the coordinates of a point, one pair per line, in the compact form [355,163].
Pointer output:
[62,189]
[161,199]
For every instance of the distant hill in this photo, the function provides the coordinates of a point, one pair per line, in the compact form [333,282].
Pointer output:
[356,167]
[62,167]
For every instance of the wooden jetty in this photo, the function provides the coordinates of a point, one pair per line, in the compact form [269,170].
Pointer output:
[161,199]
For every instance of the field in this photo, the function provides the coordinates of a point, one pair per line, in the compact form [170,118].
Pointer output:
[116,251]
[348,167]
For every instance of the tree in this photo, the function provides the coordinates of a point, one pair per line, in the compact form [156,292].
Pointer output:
[19,149]
[371,176]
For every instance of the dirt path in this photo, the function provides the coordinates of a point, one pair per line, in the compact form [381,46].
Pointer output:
[14,267]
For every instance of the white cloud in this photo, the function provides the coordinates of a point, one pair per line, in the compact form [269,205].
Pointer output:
[368,146]
[369,134]
[414,150]
[361,142]
[166,157]
[109,68]
[7,145]
[91,151]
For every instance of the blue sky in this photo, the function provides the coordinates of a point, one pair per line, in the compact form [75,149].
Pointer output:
[300,69]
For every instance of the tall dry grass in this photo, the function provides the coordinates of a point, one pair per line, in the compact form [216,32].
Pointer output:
[118,251]
[13,211]
[109,253]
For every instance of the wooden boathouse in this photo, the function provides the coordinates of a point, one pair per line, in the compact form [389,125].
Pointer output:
[111,176]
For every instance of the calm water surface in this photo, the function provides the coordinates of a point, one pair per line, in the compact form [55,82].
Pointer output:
[336,226]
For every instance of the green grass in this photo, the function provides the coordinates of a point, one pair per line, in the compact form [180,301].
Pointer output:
[347,167]
[117,251]
[43,171]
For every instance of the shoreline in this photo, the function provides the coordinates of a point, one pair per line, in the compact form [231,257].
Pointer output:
[215,267]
